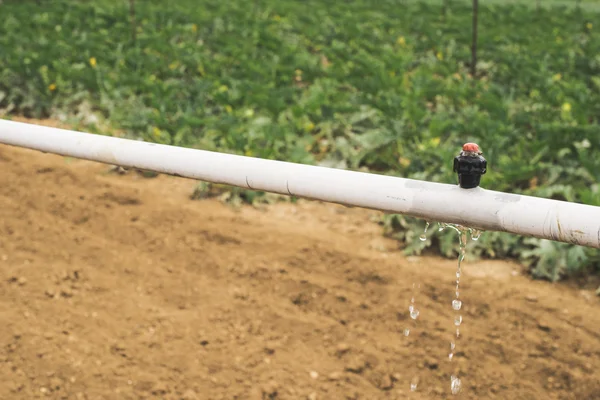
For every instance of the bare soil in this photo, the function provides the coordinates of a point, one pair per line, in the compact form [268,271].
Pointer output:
[121,287]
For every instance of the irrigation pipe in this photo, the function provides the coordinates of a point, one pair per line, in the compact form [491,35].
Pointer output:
[477,208]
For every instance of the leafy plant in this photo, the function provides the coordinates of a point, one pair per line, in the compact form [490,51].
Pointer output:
[357,84]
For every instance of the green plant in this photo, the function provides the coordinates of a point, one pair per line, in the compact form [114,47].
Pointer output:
[358,84]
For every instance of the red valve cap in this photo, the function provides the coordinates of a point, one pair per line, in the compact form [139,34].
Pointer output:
[471,148]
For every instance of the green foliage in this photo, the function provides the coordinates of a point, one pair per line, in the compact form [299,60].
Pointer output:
[381,86]
[234,196]
[553,259]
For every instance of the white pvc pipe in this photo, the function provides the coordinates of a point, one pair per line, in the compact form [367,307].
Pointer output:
[477,208]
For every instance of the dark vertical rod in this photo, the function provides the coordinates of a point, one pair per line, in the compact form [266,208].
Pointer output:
[474,44]
[133,23]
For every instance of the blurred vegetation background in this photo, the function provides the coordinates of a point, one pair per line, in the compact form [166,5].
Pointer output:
[381,86]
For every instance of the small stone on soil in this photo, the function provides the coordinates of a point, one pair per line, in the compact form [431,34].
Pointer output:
[543,326]
[355,365]
[270,388]
[342,348]
[386,383]
[335,376]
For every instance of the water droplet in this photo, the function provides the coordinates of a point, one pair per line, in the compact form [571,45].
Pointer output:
[455,384]
[406,332]
[457,274]
[458,321]
[411,308]
[456,304]
[450,356]
[423,236]
[414,313]
[452,345]
[413,387]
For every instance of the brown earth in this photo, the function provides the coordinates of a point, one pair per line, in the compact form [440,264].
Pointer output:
[120,287]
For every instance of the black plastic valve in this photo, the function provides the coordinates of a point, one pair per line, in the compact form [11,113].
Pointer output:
[470,165]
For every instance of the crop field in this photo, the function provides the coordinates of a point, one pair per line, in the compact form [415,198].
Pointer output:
[381,86]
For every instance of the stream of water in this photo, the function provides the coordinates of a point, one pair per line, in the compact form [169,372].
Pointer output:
[463,233]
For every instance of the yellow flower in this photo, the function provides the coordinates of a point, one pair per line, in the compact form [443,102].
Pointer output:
[439,55]
[405,162]
[309,126]
[556,78]
[401,41]
[228,109]
[173,65]
[194,28]
[52,87]
[93,62]
[156,132]
[566,107]
[222,89]
[589,25]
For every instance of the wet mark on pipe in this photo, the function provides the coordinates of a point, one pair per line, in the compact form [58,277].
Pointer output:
[287,186]
[547,227]
[396,198]
[507,197]
[561,236]
[248,183]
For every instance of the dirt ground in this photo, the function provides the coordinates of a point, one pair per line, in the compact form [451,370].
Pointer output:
[121,287]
